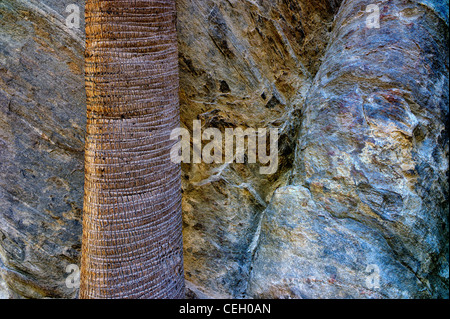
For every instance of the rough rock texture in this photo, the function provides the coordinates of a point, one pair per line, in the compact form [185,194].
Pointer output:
[369,184]
[248,65]
[363,146]
[42,124]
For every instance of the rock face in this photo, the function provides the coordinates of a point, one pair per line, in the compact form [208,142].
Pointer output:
[358,207]
[369,184]
[42,124]
[248,65]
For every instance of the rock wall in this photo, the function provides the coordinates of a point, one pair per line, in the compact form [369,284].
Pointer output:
[248,65]
[42,124]
[361,188]
[369,182]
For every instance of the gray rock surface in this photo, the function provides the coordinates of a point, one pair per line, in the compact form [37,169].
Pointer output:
[248,65]
[363,160]
[42,123]
[369,184]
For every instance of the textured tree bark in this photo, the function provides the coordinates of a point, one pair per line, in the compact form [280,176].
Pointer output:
[132,239]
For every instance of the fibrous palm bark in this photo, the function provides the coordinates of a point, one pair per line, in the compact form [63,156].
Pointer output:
[132,239]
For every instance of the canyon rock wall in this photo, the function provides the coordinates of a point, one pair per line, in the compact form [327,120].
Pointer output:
[42,125]
[368,190]
[359,204]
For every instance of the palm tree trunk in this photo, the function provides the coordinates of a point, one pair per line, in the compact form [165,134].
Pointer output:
[132,241]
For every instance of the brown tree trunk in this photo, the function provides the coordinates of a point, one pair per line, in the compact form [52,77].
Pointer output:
[132,240]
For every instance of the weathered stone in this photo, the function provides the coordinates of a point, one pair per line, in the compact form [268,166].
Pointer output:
[267,53]
[305,252]
[363,148]
[42,123]
[370,174]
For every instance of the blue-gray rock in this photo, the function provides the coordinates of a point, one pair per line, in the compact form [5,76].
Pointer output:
[369,187]
[42,124]
[359,205]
